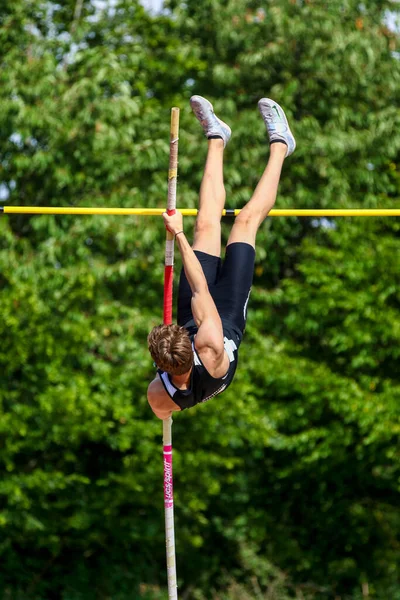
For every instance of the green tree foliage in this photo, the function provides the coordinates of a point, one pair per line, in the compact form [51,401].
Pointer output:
[287,486]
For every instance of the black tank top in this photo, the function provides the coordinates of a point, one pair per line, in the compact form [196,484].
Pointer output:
[202,385]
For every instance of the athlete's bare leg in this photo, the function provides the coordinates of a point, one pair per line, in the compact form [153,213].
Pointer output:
[207,237]
[282,144]
[256,210]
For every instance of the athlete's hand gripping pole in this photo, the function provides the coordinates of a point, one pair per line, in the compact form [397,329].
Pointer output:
[167,423]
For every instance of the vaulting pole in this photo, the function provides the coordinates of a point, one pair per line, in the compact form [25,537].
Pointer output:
[228,212]
[167,423]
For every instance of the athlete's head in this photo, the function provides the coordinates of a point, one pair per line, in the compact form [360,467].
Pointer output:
[171,349]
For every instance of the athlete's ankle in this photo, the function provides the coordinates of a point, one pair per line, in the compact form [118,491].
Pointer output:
[216,142]
[278,148]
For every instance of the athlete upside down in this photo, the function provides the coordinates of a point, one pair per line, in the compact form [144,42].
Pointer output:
[198,357]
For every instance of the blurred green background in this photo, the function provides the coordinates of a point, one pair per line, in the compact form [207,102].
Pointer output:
[287,486]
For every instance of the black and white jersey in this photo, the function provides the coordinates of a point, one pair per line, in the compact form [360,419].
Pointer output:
[202,385]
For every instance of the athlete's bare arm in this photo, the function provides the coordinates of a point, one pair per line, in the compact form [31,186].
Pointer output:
[161,404]
[209,338]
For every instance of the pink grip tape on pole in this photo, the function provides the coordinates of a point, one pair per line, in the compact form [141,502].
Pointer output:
[168,480]
[167,423]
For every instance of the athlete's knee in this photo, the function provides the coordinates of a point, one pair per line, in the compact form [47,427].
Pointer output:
[206,224]
[249,218]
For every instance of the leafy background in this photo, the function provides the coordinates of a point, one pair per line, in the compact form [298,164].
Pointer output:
[288,485]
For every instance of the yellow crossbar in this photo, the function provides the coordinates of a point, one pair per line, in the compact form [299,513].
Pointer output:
[323,212]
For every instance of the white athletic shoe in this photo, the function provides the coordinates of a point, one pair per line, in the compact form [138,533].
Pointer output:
[277,124]
[204,111]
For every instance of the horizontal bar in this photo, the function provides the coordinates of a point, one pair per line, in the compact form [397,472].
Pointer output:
[191,212]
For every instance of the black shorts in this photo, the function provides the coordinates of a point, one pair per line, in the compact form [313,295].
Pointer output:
[229,283]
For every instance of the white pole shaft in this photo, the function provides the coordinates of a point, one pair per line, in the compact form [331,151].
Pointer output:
[169,510]
[167,423]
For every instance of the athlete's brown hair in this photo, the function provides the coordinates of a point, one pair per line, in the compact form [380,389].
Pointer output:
[171,348]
